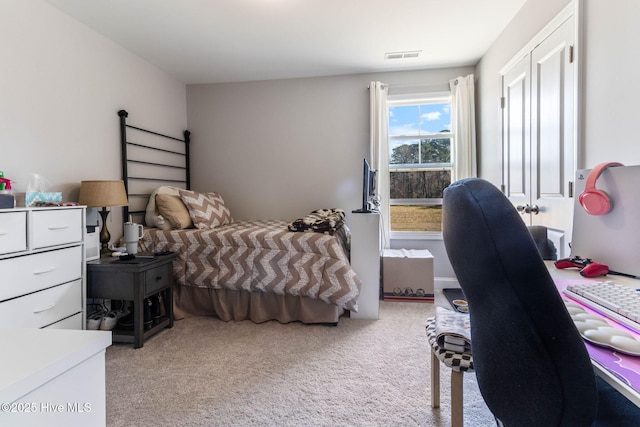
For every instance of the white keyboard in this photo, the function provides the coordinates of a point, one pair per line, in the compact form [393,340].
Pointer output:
[618,302]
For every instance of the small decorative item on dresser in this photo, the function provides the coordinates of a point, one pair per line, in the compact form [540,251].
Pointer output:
[103,194]
[7,200]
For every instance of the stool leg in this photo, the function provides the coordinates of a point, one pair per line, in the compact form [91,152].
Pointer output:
[435,380]
[456,398]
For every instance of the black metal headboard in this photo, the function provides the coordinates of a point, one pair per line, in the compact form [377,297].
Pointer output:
[149,160]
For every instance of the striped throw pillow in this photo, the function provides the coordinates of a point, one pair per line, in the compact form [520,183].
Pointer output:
[207,210]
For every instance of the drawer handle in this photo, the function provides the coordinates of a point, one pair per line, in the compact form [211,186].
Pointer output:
[40,310]
[45,271]
[159,278]
[4,232]
[58,227]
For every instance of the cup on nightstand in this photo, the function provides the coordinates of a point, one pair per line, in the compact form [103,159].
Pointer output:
[132,233]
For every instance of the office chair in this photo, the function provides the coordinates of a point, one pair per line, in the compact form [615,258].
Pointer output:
[531,364]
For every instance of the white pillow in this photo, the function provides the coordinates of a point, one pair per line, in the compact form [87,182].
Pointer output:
[151,215]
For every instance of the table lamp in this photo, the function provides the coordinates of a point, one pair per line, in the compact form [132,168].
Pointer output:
[103,194]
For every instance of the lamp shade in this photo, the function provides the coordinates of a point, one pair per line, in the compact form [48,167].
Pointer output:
[96,194]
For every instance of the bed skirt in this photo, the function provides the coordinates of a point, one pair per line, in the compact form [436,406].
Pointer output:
[255,306]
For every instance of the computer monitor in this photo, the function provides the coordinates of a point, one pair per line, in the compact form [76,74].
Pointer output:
[368,188]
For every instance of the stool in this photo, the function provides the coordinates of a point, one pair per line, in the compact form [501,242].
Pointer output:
[459,364]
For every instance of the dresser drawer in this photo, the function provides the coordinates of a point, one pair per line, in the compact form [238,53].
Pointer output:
[73,322]
[157,278]
[56,227]
[13,232]
[42,308]
[30,273]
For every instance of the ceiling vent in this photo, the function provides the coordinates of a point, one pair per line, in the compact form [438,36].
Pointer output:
[402,55]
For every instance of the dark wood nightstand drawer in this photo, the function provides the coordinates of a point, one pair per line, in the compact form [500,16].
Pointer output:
[157,278]
[134,280]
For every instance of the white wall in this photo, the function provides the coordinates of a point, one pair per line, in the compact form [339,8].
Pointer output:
[612,92]
[61,85]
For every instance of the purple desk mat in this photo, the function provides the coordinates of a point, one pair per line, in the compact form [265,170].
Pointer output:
[626,368]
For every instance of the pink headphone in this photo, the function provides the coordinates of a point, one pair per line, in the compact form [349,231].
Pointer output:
[594,201]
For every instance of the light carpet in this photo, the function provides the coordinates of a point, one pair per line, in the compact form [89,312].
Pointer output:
[206,372]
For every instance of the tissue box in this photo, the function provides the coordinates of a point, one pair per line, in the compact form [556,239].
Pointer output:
[32,197]
[407,275]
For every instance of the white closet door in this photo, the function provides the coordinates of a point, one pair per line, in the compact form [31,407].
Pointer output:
[516,90]
[538,128]
[552,132]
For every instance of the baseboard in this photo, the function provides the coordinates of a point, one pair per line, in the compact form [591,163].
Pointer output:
[446,282]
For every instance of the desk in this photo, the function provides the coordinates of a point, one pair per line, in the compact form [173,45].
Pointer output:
[621,371]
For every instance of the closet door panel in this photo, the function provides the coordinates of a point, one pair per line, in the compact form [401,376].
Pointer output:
[516,132]
[538,131]
[552,136]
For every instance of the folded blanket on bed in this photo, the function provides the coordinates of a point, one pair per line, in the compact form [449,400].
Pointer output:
[321,221]
[453,331]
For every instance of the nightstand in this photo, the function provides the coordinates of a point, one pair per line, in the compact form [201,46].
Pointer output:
[134,280]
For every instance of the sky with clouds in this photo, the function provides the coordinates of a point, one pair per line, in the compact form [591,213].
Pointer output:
[416,120]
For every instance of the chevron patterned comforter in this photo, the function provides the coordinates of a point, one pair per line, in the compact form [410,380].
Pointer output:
[260,256]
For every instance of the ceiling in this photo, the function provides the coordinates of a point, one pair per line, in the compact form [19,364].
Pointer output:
[212,41]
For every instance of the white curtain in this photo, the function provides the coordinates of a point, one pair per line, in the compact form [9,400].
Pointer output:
[380,151]
[463,124]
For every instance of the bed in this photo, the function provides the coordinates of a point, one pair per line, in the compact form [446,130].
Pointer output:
[257,270]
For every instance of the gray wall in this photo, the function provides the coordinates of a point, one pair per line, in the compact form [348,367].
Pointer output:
[61,86]
[279,149]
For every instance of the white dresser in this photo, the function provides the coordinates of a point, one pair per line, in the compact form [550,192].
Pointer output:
[53,377]
[42,267]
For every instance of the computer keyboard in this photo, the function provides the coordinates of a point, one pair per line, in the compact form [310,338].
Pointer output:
[618,302]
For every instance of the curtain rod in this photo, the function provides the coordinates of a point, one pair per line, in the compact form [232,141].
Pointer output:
[414,84]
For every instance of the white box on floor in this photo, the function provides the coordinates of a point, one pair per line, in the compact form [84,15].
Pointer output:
[407,275]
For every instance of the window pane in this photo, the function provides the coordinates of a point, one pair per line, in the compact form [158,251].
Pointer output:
[420,162]
[405,152]
[403,120]
[435,118]
[426,184]
[435,150]
[416,218]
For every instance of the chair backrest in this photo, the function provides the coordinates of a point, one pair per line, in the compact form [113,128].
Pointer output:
[530,361]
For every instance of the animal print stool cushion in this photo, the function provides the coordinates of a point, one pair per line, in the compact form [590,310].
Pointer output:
[461,362]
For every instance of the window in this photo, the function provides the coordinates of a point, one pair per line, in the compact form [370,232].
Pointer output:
[420,161]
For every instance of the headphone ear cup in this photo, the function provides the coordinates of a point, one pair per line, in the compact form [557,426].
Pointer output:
[595,202]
